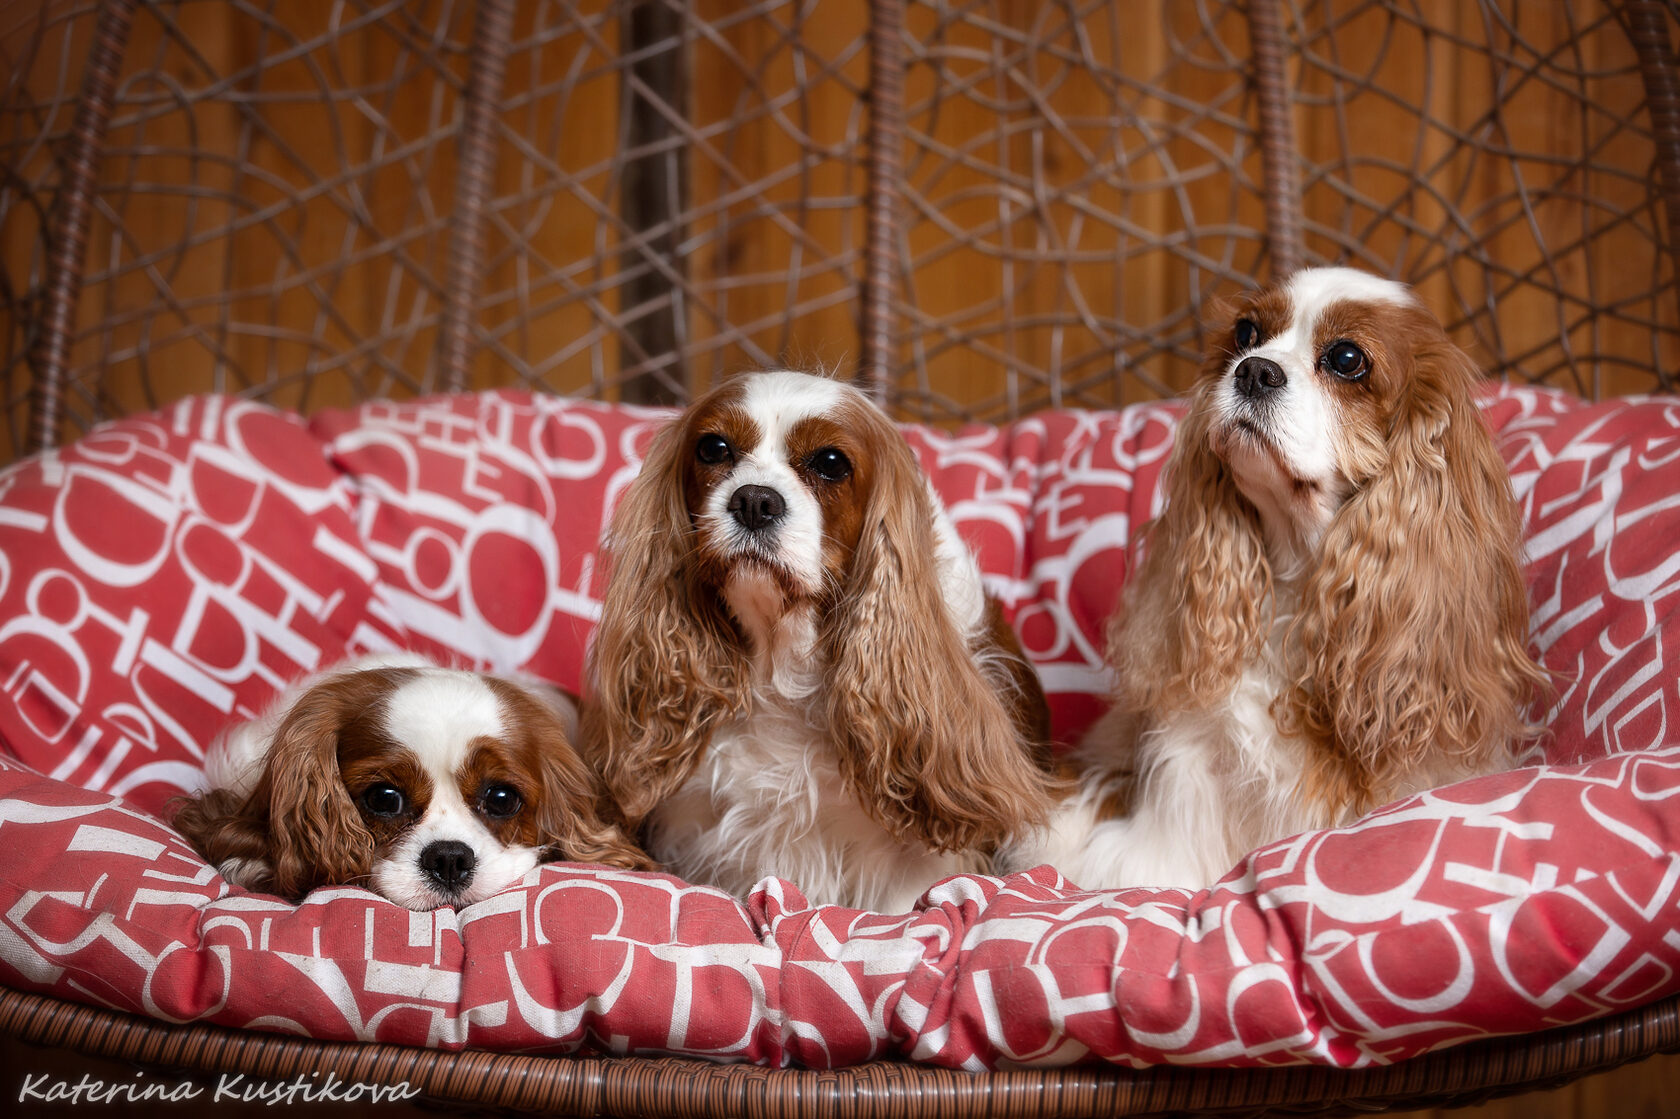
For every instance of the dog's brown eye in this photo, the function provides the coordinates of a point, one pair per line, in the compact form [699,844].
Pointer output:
[384,800]
[713,449]
[1248,334]
[501,801]
[830,464]
[1345,360]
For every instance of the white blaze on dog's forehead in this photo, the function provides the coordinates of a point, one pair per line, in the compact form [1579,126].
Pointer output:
[1307,416]
[780,401]
[776,402]
[437,713]
[1310,293]
[1312,290]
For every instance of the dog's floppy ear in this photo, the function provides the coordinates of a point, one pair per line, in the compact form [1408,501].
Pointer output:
[316,836]
[580,821]
[231,833]
[927,741]
[1413,628]
[297,829]
[1197,608]
[663,670]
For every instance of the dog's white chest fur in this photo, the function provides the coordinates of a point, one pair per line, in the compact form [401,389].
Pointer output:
[768,799]
[1211,786]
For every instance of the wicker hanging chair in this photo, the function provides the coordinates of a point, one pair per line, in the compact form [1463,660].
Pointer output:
[657,1087]
[321,204]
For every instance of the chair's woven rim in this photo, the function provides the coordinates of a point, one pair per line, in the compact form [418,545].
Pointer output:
[636,1086]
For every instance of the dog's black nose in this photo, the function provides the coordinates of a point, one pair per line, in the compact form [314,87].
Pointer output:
[449,863]
[756,506]
[1256,377]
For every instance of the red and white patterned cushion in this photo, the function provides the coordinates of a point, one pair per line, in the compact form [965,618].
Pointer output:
[165,574]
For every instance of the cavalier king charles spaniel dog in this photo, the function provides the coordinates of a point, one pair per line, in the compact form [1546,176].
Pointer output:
[797,671]
[431,786]
[1330,613]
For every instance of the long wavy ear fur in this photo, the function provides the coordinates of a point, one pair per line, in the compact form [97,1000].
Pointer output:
[316,834]
[231,833]
[579,823]
[662,667]
[1199,605]
[926,742]
[297,829]
[1412,630]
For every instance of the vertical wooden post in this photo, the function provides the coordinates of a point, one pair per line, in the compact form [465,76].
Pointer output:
[1648,25]
[474,182]
[885,154]
[653,193]
[1279,159]
[49,351]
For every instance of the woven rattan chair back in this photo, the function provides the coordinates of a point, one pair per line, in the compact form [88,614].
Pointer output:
[985,209]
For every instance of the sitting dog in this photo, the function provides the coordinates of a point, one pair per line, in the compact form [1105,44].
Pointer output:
[1330,613]
[797,671]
